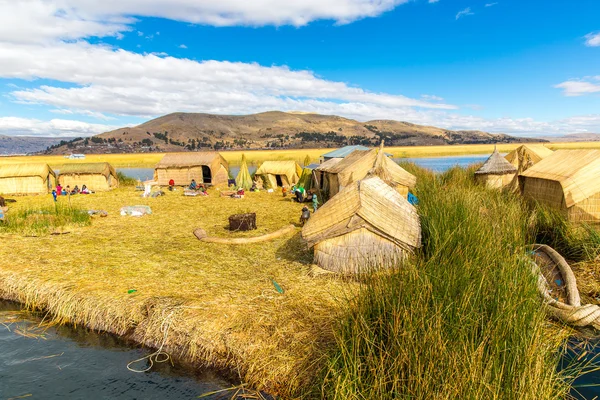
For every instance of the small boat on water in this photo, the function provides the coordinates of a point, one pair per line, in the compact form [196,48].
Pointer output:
[558,287]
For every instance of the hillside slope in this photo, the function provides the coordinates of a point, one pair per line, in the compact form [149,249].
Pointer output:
[26,144]
[274,129]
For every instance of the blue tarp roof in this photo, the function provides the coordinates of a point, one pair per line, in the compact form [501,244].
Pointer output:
[344,151]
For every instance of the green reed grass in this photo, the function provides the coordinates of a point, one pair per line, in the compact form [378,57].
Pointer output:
[125,180]
[463,321]
[37,221]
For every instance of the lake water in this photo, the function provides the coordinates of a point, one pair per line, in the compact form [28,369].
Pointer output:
[437,164]
[68,363]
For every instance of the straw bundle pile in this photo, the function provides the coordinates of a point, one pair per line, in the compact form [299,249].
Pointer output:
[26,179]
[96,176]
[496,172]
[367,225]
[243,178]
[288,172]
[568,180]
[183,167]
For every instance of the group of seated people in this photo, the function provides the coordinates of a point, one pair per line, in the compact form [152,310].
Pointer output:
[198,187]
[63,191]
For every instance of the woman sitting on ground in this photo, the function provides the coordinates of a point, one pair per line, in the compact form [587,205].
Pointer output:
[58,189]
[193,185]
[85,190]
[76,190]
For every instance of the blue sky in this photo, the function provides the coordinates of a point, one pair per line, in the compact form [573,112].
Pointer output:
[80,67]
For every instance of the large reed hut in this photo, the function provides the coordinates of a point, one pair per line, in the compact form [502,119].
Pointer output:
[367,225]
[26,179]
[527,155]
[568,180]
[333,175]
[98,177]
[496,172]
[279,173]
[205,167]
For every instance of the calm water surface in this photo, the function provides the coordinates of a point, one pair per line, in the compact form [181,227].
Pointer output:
[68,363]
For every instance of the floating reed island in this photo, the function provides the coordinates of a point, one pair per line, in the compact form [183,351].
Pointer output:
[456,293]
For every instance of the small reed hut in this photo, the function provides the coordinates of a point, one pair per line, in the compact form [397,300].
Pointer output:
[279,173]
[527,155]
[20,179]
[569,181]
[243,178]
[205,167]
[368,225]
[333,175]
[496,172]
[99,177]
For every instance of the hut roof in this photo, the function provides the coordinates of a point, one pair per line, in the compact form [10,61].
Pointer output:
[23,170]
[577,171]
[496,165]
[346,162]
[327,165]
[371,204]
[537,152]
[102,168]
[344,151]
[287,168]
[192,159]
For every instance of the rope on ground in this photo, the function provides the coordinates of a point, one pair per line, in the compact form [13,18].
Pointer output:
[159,356]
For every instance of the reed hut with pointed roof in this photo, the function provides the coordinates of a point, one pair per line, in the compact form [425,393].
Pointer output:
[568,180]
[335,174]
[496,172]
[527,155]
[98,177]
[30,178]
[368,225]
[279,173]
[243,178]
[207,167]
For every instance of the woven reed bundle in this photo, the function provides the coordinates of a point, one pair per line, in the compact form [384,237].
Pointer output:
[496,165]
[572,312]
[243,178]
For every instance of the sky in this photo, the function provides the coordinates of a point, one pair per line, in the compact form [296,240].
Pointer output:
[82,67]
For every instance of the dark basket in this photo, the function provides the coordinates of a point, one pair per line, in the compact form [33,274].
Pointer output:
[242,222]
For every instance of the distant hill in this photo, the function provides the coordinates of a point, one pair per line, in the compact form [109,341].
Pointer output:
[27,144]
[274,129]
[575,137]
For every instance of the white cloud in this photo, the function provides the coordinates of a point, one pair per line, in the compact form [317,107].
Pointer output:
[491,4]
[182,46]
[431,97]
[581,87]
[15,126]
[433,1]
[592,39]
[28,21]
[464,13]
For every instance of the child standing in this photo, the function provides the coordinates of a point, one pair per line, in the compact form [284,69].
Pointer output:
[315,202]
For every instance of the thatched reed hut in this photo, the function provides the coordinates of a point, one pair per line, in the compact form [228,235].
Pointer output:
[96,176]
[368,225]
[568,180]
[333,175]
[243,178]
[496,172]
[279,173]
[343,152]
[26,179]
[205,167]
[527,155]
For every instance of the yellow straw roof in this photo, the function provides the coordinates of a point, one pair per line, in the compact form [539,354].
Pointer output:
[537,152]
[371,204]
[102,168]
[577,171]
[192,159]
[22,170]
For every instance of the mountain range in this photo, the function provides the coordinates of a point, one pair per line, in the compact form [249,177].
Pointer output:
[274,130]
[27,144]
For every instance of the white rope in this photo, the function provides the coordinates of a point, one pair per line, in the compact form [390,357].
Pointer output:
[156,356]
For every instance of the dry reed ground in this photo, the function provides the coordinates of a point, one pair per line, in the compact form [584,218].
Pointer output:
[217,301]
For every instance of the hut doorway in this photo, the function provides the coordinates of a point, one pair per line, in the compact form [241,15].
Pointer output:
[206,176]
[279,181]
